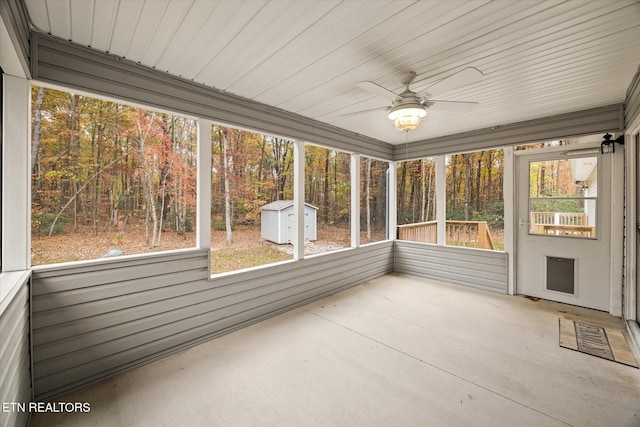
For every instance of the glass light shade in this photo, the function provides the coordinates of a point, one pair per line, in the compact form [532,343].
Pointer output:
[407,118]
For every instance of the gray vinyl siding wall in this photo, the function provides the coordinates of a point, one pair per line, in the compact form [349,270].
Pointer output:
[98,319]
[632,102]
[15,19]
[15,372]
[603,119]
[476,268]
[74,66]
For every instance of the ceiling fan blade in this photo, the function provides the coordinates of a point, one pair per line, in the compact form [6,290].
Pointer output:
[371,110]
[453,106]
[378,90]
[461,78]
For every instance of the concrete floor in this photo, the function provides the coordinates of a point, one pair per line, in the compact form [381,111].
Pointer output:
[396,351]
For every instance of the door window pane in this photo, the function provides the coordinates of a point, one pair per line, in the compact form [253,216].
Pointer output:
[563,197]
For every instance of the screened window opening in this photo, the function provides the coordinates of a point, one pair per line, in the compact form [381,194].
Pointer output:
[251,199]
[108,179]
[475,202]
[416,201]
[563,196]
[327,200]
[373,200]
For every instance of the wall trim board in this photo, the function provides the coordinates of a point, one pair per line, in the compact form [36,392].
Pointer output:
[608,118]
[60,62]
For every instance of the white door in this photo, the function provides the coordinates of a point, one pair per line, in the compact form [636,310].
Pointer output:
[563,230]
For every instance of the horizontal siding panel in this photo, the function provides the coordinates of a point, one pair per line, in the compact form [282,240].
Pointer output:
[108,264]
[61,277]
[443,269]
[484,260]
[447,275]
[81,280]
[66,313]
[322,262]
[111,290]
[15,364]
[82,68]
[632,102]
[603,119]
[123,329]
[465,266]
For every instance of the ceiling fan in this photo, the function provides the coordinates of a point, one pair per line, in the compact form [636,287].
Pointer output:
[408,107]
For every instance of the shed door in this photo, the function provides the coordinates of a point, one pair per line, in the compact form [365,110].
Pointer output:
[291,222]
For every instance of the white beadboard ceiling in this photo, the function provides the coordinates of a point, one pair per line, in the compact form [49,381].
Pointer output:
[540,58]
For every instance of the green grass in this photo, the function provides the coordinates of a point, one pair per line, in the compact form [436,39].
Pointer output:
[230,260]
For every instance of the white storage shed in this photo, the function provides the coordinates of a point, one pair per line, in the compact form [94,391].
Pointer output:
[277,221]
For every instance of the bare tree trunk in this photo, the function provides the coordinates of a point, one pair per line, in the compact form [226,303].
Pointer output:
[147,186]
[478,192]
[489,177]
[37,113]
[381,199]
[325,205]
[79,190]
[467,184]
[423,183]
[368,191]
[401,191]
[429,194]
[227,189]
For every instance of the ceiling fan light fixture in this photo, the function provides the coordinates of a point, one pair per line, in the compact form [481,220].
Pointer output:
[407,117]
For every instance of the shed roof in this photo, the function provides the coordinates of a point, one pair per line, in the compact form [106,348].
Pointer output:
[279,205]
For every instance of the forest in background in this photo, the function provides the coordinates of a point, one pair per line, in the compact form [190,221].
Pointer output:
[108,176]
[474,189]
[99,166]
